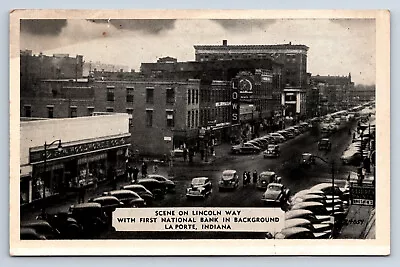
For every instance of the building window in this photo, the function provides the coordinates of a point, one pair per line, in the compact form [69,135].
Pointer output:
[196,122]
[28,111]
[73,112]
[188,119]
[170,96]
[170,118]
[130,112]
[90,111]
[189,96]
[149,95]
[197,96]
[193,95]
[50,111]
[109,109]
[110,94]
[192,121]
[149,118]
[129,95]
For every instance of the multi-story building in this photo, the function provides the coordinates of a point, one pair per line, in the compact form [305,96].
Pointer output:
[292,57]
[34,68]
[361,94]
[53,159]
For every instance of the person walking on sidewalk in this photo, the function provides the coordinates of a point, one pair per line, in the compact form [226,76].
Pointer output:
[185,154]
[81,192]
[144,169]
[255,176]
[135,173]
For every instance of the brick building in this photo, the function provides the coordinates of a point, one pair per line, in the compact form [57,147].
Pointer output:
[292,57]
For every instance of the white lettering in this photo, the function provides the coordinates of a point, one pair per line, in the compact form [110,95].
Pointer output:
[235,95]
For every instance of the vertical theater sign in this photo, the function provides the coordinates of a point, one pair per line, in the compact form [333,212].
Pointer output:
[235,103]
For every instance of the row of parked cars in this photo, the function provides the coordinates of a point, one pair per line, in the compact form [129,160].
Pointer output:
[265,143]
[89,219]
[315,213]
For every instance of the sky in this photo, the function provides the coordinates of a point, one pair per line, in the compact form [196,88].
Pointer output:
[336,46]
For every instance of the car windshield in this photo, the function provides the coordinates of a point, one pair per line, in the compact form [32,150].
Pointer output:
[274,187]
[306,156]
[198,181]
[271,147]
[265,176]
[227,176]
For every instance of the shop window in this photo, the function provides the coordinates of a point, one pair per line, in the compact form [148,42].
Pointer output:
[197,96]
[73,112]
[129,95]
[28,111]
[170,98]
[50,111]
[170,118]
[110,94]
[149,95]
[149,118]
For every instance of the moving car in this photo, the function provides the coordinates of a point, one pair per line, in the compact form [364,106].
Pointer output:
[142,191]
[275,195]
[169,185]
[229,180]
[128,198]
[272,151]
[199,187]
[246,148]
[324,144]
[307,159]
[265,178]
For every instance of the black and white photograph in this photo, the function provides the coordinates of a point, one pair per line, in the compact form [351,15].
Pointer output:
[221,126]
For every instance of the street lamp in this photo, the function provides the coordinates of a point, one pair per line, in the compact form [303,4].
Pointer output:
[333,184]
[59,148]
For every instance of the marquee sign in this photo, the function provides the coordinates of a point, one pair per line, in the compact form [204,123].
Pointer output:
[235,102]
[362,194]
[74,150]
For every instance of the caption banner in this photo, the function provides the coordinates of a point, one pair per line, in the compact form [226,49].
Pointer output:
[199,219]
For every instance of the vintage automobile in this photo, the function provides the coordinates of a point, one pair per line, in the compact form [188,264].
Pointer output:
[43,228]
[307,159]
[324,144]
[108,203]
[323,232]
[265,178]
[351,156]
[229,180]
[142,191]
[272,151]
[328,202]
[275,195]
[30,234]
[309,215]
[295,233]
[67,226]
[246,148]
[328,190]
[319,209]
[128,198]
[278,137]
[199,187]
[90,216]
[157,188]
[169,185]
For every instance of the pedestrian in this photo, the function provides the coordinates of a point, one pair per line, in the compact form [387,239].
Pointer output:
[185,154]
[144,169]
[244,178]
[81,191]
[135,173]
[255,176]
[129,173]
[155,168]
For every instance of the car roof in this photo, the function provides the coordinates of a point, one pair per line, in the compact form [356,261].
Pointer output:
[275,184]
[289,223]
[321,186]
[104,198]
[293,230]
[269,173]
[121,191]
[148,180]
[35,223]
[302,205]
[86,205]
[154,175]
[129,186]
[200,178]
[296,213]
[229,172]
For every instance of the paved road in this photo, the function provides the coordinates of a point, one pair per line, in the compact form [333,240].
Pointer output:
[286,166]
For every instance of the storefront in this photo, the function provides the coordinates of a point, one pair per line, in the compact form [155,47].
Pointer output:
[84,162]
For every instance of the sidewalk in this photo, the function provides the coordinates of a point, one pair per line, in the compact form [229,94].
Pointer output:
[358,223]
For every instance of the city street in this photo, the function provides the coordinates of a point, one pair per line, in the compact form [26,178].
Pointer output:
[287,166]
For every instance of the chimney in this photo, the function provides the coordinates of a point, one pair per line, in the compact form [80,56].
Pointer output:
[224,42]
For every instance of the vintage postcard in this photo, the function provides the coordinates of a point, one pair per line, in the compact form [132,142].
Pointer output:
[164,132]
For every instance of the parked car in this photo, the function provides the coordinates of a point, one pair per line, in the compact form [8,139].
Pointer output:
[246,148]
[199,187]
[275,195]
[318,198]
[329,190]
[108,203]
[42,228]
[309,215]
[169,185]
[351,156]
[319,209]
[286,134]
[128,198]
[295,233]
[272,151]
[323,232]
[30,234]
[90,216]
[157,188]
[324,144]
[307,159]
[265,178]
[142,191]
[229,180]
[257,143]
[68,227]
[278,137]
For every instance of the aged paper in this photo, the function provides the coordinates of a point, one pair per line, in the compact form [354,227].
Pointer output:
[199,132]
